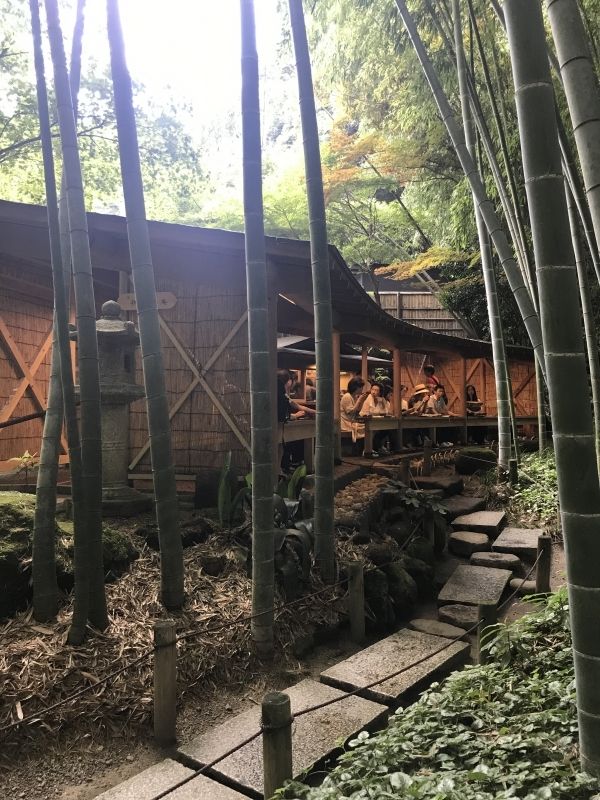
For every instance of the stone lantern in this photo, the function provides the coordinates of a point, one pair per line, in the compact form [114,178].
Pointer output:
[117,342]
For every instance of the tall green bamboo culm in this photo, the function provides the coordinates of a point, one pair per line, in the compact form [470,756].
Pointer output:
[261,402]
[587,310]
[494,226]
[87,350]
[61,387]
[325,433]
[582,91]
[496,333]
[142,270]
[573,427]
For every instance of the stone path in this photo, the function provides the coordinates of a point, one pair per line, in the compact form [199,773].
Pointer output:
[520,541]
[319,735]
[388,655]
[473,585]
[160,777]
[315,736]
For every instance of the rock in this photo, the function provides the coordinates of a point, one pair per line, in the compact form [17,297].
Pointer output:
[443,569]
[16,533]
[522,587]
[464,543]
[212,565]
[448,485]
[397,514]
[402,588]
[498,560]
[436,628]
[390,496]
[380,553]
[461,504]
[474,585]
[399,532]
[475,459]
[422,549]
[421,572]
[488,522]
[380,616]
[459,615]
[520,541]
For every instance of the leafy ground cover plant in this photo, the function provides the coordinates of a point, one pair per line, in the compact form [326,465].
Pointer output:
[504,730]
[536,496]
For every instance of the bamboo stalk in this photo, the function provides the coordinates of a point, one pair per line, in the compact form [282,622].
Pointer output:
[87,351]
[489,277]
[142,271]
[324,450]
[263,576]
[497,235]
[573,429]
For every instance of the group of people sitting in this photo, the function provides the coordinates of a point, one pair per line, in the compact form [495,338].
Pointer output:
[364,399]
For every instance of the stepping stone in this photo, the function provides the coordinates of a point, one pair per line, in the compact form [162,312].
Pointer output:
[443,568]
[460,504]
[521,541]
[498,560]
[160,777]
[315,736]
[461,616]
[449,485]
[388,656]
[523,587]
[436,628]
[474,585]
[464,543]
[489,522]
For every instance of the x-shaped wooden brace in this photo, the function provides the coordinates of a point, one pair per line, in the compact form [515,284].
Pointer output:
[199,380]
[28,373]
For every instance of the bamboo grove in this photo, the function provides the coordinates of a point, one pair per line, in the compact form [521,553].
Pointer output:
[537,221]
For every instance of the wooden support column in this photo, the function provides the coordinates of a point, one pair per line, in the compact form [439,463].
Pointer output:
[462,398]
[336,394]
[364,369]
[397,393]
[272,301]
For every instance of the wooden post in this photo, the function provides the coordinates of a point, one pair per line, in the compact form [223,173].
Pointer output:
[356,600]
[403,469]
[488,615]
[165,682]
[513,471]
[276,726]
[368,448]
[364,366]
[336,395]
[427,458]
[397,394]
[542,573]
[462,400]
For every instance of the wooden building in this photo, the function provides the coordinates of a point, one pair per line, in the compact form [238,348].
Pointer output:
[200,278]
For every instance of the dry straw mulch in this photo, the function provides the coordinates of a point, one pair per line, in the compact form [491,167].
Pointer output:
[38,667]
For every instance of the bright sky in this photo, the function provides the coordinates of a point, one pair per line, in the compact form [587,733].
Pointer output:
[187,49]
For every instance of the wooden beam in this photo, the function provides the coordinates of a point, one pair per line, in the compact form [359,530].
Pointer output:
[364,364]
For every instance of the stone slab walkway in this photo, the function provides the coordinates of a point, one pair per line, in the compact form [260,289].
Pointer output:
[387,656]
[460,504]
[315,736]
[164,775]
[473,585]
[520,541]
[488,522]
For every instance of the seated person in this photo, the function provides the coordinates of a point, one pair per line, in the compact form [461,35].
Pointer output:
[475,407]
[351,406]
[419,400]
[376,404]
[311,392]
[286,408]
[438,405]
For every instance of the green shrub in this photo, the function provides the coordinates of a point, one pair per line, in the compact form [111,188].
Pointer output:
[475,459]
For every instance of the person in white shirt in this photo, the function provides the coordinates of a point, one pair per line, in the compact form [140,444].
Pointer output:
[437,404]
[375,405]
